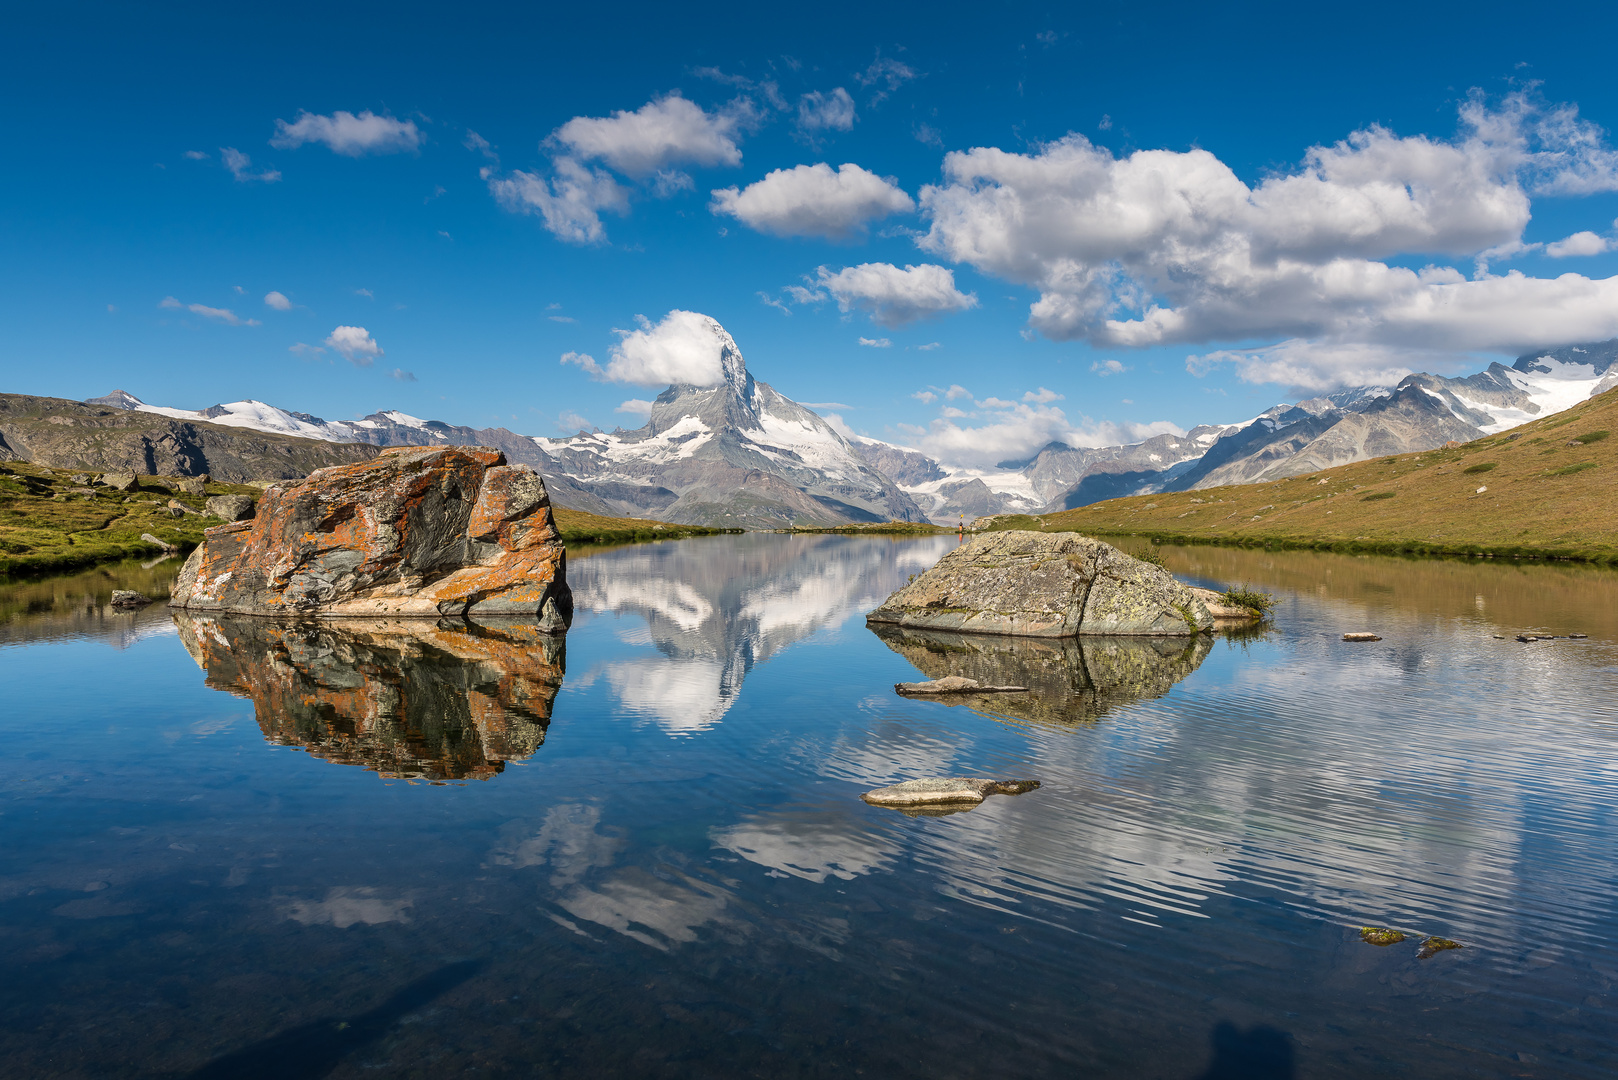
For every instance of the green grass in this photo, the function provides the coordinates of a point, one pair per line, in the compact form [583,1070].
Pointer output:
[1375,495]
[1252,599]
[47,525]
[1569,470]
[1592,437]
[1482,466]
[584,528]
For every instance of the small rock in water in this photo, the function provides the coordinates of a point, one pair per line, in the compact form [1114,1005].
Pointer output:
[1527,637]
[164,544]
[1377,935]
[1499,637]
[1579,636]
[954,684]
[1361,637]
[1435,945]
[964,792]
[128,598]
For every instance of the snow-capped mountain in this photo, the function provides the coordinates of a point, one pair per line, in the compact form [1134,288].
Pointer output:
[738,453]
[734,454]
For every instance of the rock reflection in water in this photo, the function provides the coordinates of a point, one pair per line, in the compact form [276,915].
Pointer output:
[406,698]
[1069,680]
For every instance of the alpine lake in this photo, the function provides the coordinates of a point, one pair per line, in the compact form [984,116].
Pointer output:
[236,848]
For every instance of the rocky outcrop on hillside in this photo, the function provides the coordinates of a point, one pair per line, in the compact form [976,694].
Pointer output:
[65,434]
[405,698]
[418,531]
[1036,584]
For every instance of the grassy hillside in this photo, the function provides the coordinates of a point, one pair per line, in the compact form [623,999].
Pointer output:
[1550,491]
[48,523]
[579,527]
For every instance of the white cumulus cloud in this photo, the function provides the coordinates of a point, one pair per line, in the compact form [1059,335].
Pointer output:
[635,407]
[355,344]
[277,300]
[352,136]
[241,167]
[1580,243]
[217,314]
[665,132]
[1163,246]
[569,203]
[895,296]
[877,343]
[813,200]
[826,112]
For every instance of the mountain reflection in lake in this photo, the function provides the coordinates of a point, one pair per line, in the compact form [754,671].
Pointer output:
[407,698]
[673,874]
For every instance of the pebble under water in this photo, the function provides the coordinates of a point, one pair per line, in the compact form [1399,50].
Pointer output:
[234,848]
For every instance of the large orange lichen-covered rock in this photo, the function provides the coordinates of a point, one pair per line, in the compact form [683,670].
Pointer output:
[417,531]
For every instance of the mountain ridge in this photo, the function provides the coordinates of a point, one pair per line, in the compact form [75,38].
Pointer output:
[738,453]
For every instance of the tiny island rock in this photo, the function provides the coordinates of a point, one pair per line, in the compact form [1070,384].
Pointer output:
[430,531]
[1037,584]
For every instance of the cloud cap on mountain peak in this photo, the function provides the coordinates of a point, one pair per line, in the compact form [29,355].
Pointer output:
[682,348]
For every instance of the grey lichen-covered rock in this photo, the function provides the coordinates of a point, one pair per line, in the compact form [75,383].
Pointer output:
[230,507]
[1036,584]
[944,791]
[129,598]
[120,481]
[193,485]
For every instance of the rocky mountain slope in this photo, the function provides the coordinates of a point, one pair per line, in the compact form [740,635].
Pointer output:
[1545,488]
[84,435]
[1423,412]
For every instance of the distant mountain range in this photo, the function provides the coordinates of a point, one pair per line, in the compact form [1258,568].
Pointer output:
[742,454]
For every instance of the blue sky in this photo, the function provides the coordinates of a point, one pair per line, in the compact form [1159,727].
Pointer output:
[1112,215]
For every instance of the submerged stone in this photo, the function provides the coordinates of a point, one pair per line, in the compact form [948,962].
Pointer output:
[945,791]
[1361,637]
[953,684]
[1377,935]
[1036,584]
[1435,945]
[129,598]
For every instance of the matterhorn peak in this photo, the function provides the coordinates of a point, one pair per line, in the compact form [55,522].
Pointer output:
[731,362]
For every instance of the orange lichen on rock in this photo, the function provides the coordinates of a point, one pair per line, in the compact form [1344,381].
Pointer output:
[417,531]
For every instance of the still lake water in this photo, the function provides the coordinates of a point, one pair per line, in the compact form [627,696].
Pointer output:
[236,849]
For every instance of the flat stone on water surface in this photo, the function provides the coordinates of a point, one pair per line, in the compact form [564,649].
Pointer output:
[938,791]
[1361,637]
[954,684]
